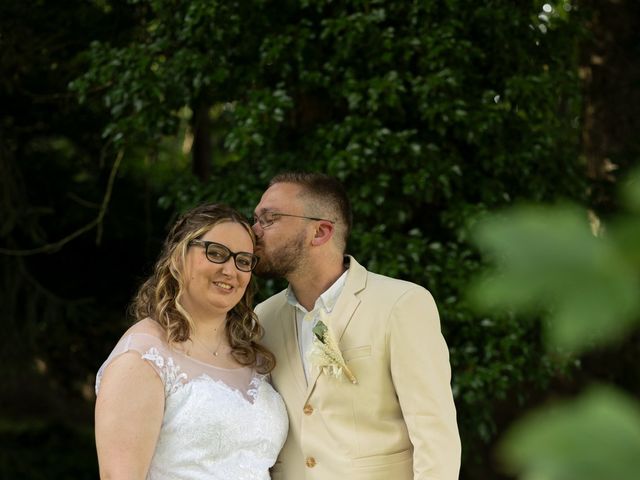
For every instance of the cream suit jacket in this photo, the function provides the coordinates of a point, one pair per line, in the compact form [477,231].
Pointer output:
[399,421]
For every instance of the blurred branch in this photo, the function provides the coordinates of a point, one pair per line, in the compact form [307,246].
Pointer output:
[55,97]
[82,201]
[95,223]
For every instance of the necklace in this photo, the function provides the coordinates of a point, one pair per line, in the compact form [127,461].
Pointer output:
[214,351]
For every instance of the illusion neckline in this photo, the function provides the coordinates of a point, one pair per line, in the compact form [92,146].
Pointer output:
[189,357]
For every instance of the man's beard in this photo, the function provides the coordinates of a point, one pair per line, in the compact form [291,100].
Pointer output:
[283,261]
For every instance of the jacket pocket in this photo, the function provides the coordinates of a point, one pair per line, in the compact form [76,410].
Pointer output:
[380,460]
[357,352]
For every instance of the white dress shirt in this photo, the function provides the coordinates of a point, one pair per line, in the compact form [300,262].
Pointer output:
[305,320]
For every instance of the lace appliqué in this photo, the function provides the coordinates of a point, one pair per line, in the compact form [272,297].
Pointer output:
[169,372]
[252,392]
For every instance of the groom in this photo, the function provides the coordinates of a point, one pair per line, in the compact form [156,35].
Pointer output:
[398,421]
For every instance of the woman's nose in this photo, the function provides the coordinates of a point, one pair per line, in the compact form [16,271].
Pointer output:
[229,266]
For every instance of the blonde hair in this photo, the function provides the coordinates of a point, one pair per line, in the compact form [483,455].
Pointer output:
[159,296]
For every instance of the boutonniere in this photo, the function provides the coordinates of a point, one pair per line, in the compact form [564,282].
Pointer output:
[325,353]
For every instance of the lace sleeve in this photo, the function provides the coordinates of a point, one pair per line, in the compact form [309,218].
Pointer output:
[156,352]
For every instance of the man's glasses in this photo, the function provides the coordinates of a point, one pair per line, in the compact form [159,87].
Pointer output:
[267,218]
[218,253]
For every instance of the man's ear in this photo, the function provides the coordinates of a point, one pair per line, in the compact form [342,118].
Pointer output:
[324,232]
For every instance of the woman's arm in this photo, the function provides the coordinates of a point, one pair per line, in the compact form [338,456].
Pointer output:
[128,416]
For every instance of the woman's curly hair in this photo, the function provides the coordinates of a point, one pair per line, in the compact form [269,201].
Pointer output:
[159,296]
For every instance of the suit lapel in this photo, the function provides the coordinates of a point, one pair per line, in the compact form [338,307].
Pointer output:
[290,336]
[348,302]
[344,309]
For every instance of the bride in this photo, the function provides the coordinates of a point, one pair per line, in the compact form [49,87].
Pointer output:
[185,392]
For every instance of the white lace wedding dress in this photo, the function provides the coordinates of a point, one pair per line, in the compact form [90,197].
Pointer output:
[226,424]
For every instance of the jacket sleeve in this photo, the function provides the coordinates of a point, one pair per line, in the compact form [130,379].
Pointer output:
[421,375]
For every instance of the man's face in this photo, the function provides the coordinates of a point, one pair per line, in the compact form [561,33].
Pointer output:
[281,246]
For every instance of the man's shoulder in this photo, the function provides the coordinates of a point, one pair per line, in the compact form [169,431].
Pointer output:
[387,293]
[379,284]
[395,284]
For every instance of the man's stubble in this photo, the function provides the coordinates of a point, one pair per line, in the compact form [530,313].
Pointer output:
[284,260]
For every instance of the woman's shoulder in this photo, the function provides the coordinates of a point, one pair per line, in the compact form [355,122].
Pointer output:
[146,326]
[143,336]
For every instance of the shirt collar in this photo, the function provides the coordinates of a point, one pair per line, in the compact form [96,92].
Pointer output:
[328,298]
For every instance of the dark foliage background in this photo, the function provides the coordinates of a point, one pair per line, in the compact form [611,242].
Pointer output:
[118,115]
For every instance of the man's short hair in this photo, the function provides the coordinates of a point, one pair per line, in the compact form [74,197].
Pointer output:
[324,195]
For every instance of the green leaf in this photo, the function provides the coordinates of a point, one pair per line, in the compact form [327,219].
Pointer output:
[320,330]
[596,437]
[547,261]
[630,191]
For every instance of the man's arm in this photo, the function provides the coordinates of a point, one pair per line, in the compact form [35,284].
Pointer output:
[421,376]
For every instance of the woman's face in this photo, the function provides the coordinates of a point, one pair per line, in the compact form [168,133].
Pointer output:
[212,289]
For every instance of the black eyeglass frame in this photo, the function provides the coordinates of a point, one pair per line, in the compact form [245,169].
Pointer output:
[206,244]
[256,219]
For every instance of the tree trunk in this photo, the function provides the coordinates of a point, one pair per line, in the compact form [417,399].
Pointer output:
[610,71]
